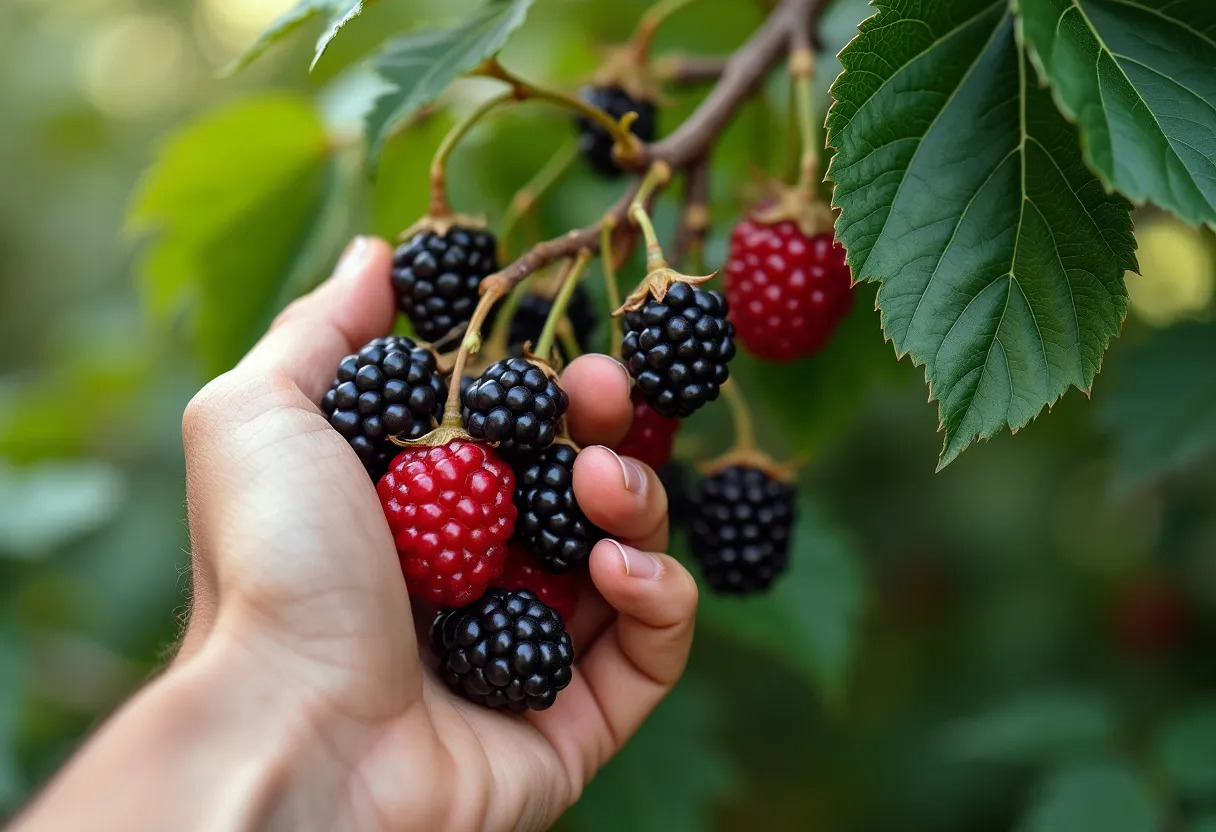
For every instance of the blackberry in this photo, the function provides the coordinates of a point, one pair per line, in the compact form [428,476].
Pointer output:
[741,529]
[389,388]
[549,521]
[516,404]
[594,142]
[533,311]
[437,277]
[678,349]
[505,650]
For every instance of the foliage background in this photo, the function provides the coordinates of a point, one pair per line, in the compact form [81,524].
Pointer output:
[1021,641]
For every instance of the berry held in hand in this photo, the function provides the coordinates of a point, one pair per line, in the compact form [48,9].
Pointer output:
[450,511]
[651,436]
[437,277]
[516,404]
[678,348]
[506,650]
[787,291]
[740,531]
[523,571]
[388,388]
[594,142]
[550,522]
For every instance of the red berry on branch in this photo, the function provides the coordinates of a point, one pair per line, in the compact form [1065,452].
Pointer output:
[651,436]
[450,511]
[787,292]
[523,571]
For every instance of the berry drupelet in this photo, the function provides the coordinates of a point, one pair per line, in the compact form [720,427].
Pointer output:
[437,277]
[516,404]
[678,349]
[391,387]
[506,650]
[740,530]
[594,142]
[550,522]
[787,291]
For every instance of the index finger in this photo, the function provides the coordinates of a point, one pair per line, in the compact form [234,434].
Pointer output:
[600,411]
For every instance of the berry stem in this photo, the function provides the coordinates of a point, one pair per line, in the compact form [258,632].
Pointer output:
[544,344]
[802,70]
[648,26]
[628,148]
[741,413]
[612,290]
[439,165]
[492,289]
[524,202]
[569,341]
[656,177]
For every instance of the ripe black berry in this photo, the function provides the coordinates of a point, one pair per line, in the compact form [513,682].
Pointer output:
[505,650]
[437,277]
[741,529]
[594,142]
[515,404]
[388,388]
[533,311]
[550,522]
[678,349]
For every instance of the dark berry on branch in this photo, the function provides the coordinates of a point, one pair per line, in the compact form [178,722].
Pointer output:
[740,530]
[550,522]
[437,277]
[595,143]
[533,311]
[516,404]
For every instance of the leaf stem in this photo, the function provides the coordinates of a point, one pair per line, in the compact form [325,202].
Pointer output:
[802,70]
[745,429]
[656,177]
[648,26]
[524,201]
[544,344]
[612,290]
[439,165]
[492,289]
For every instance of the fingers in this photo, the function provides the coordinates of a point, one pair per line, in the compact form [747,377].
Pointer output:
[600,411]
[622,496]
[634,664]
[314,333]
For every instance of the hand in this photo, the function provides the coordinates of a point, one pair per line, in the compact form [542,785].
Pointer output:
[301,649]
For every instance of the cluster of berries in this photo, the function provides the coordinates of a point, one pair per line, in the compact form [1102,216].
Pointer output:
[485,520]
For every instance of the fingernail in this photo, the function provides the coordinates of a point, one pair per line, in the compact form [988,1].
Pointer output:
[632,473]
[351,264]
[624,372]
[639,564]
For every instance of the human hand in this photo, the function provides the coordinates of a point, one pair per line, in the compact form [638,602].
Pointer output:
[302,631]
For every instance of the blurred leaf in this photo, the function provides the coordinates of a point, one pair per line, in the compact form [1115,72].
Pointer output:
[337,13]
[44,506]
[1206,824]
[963,192]
[421,66]
[668,777]
[1136,76]
[12,789]
[1186,751]
[808,621]
[232,202]
[1093,797]
[1160,407]
[1031,728]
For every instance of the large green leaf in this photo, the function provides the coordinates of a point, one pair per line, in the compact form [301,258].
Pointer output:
[337,13]
[1161,405]
[1033,727]
[1092,797]
[419,67]
[233,202]
[44,506]
[809,619]
[1139,78]
[963,192]
[1186,751]
[669,775]
[12,787]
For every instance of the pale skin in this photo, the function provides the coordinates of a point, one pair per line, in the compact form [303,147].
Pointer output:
[300,698]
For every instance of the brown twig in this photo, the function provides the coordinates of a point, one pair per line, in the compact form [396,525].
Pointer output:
[695,222]
[682,69]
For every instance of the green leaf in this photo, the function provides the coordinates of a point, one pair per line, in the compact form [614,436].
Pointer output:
[419,67]
[1137,77]
[817,605]
[1204,824]
[45,506]
[336,12]
[1092,797]
[1160,407]
[963,192]
[668,776]
[12,786]
[232,203]
[1033,727]
[1186,751]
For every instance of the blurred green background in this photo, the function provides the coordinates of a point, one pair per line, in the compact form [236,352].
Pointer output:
[1024,640]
